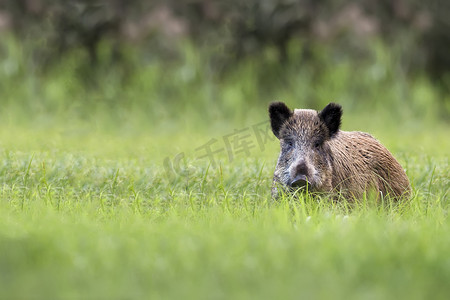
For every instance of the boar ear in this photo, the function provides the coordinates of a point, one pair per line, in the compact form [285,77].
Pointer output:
[279,113]
[331,116]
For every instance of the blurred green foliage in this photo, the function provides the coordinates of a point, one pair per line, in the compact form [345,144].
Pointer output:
[189,90]
[163,60]
[240,28]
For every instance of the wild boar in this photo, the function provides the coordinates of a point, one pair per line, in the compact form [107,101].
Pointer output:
[320,158]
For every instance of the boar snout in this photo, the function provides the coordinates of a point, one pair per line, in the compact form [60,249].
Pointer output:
[300,175]
[299,181]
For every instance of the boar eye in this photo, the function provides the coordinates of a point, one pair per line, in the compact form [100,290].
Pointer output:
[289,143]
[317,144]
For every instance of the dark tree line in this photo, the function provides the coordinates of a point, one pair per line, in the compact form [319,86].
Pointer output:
[238,28]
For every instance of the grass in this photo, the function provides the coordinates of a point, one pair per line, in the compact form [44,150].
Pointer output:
[109,199]
[103,220]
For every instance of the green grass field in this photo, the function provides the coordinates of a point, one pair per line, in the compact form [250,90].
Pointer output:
[98,215]
[118,202]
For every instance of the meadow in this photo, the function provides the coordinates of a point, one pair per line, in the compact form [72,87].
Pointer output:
[108,191]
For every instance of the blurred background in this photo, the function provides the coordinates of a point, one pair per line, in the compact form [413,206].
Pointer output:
[161,64]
